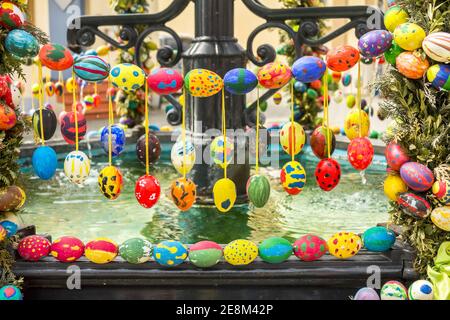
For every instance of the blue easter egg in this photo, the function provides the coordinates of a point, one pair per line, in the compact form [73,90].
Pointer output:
[170,253]
[118,140]
[275,250]
[300,87]
[21,44]
[347,80]
[45,162]
[10,227]
[91,52]
[378,239]
[91,68]
[375,43]
[439,76]
[240,81]
[154,128]
[10,293]
[308,69]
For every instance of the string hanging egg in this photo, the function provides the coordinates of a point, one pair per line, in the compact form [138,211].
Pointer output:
[45,162]
[222,155]
[293,178]
[59,89]
[258,190]
[56,57]
[342,58]
[183,193]
[353,128]
[292,138]
[165,81]
[308,69]
[274,75]
[183,159]
[202,83]
[154,149]
[68,127]
[110,182]
[347,80]
[77,167]
[49,88]
[91,68]
[127,77]
[225,195]
[360,153]
[323,142]
[328,174]
[88,102]
[148,191]
[118,140]
[240,81]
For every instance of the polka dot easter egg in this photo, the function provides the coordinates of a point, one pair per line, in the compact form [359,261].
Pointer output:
[375,43]
[274,75]
[110,182]
[293,178]
[205,254]
[328,174]
[240,81]
[218,151]
[310,248]
[202,83]
[101,251]
[275,250]
[292,138]
[421,290]
[34,248]
[409,36]
[394,290]
[10,293]
[127,77]
[165,81]
[344,245]
[241,252]
[360,153]
[396,156]
[342,58]
[67,249]
[136,251]
[309,69]
[147,191]
[170,253]
[417,176]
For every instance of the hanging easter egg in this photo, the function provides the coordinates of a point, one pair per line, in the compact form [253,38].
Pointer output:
[97,100]
[240,81]
[300,87]
[202,83]
[154,149]
[183,193]
[148,191]
[56,57]
[205,254]
[412,65]
[414,205]
[34,248]
[312,94]
[375,43]
[322,140]
[394,186]
[258,190]
[421,290]
[101,251]
[21,44]
[275,250]
[344,245]
[88,102]
[310,248]
[183,159]
[8,118]
[274,75]
[136,251]
[308,69]
[437,46]
[12,199]
[292,138]
[103,50]
[3,234]
[394,17]
[336,76]
[441,218]
[338,96]
[353,122]
[225,195]
[277,98]
[50,123]
[396,156]
[165,81]
[118,140]
[45,162]
[342,58]
[328,174]
[240,252]
[391,3]
[110,181]
[10,227]
[417,176]
[170,253]
[127,77]
[351,101]
[392,54]
[92,69]
[409,36]
[11,17]
[439,76]
[366,294]
[378,239]
[347,80]
[77,167]
[218,150]
[68,127]
[441,190]
[49,88]
[316,85]
[67,249]
[394,290]
[10,293]
[360,153]
[71,85]
[16,97]
[293,178]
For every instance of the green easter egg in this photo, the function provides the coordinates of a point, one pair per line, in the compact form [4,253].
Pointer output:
[136,251]
[258,190]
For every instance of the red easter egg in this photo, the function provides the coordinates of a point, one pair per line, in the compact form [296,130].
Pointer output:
[396,156]
[411,65]
[67,249]
[68,128]
[56,57]
[328,174]
[8,118]
[274,75]
[34,248]
[97,100]
[360,153]
[319,142]
[310,248]
[165,81]
[342,58]
[316,85]
[148,191]
[11,17]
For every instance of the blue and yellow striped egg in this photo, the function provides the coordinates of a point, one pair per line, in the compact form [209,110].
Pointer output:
[225,195]
[127,77]
[170,253]
[240,252]
[439,76]
[203,83]
[91,68]
[293,178]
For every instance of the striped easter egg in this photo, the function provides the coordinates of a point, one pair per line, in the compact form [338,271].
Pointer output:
[437,46]
[413,205]
[68,127]
[417,176]
[91,68]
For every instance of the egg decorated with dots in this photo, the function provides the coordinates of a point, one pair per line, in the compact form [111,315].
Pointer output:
[170,253]
[202,83]
[409,36]
[110,182]
[274,75]
[127,77]
[421,290]
[310,248]
[165,81]
[34,248]
[67,249]
[241,252]
[344,245]
[394,290]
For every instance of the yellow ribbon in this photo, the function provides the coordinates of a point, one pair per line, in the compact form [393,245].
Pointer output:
[41,103]
[224,132]
[74,107]
[326,114]
[292,140]
[147,131]
[358,99]
[110,122]
[184,135]
[258,120]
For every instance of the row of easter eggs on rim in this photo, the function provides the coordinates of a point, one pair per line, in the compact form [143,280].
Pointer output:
[395,290]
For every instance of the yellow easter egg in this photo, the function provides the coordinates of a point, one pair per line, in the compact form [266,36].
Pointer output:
[352,124]
[110,182]
[394,186]
[203,83]
[292,139]
[409,36]
[241,252]
[70,85]
[344,245]
[101,251]
[441,218]
[103,50]
[225,195]
[127,77]
[394,17]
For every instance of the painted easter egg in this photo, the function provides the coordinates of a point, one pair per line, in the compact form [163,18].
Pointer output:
[88,102]
[225,195]
[394,186]
[45,162]
[396,156]
[274,75]
[16,96]
[183,159]
[421,290]
[344,245]
[441,190]
[165,81]
[240,252]
[312,94]
[300,87]
[21,44]
[394,17]
[439,76]
[277,98]
[391,55]
[366,294]
[203,83]
[3,233]
[391,3]
[148,191]
[67,249]
[414,205]
[360,153]
[308,69]
[292,138]
[127,77]
[205,254]
[8,118]
[12,198]
[310,248]
[411,65]
[338,96]
[118,140]
[34,248]
[97,100]
[293,178]
[394,290]
[11,17]
[10,227]
[183,193]
[417,176]
[441,218]
[321,141]
[328,174]
[136,251]
[101,251]
[92,69]
[103,50]
[218,151]
[375,43]
[437,46]
[353,121]
[56,57]
[258,190]
[154,149]
[77,167]
[409,36]
[10,293]
[351,101]
[71,85]
[110,182]
[342,58]
[378,239]
[240,81]
[275,250]
[50,123]
[68,127]
[49,88]
[170,253]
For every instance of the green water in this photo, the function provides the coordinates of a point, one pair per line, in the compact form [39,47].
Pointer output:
[59,208]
